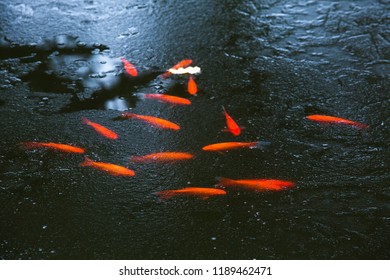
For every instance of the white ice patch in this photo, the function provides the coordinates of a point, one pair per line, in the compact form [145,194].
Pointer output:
[188,70]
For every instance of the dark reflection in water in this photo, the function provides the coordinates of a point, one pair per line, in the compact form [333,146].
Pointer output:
[95,78]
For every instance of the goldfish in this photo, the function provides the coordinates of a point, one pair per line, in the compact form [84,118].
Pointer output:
[156,122]
[168,98]
[54,146]
[130,69]
[162,157]
[256,184]
[231,124]
[112,169]
[335,120]
[192,88]
[224,146]
[182,64]
[101,129]
[203,193]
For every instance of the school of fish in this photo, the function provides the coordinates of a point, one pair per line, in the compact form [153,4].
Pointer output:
[223,184]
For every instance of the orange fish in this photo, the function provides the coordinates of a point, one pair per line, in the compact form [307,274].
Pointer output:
[130,69]
[231,124]
[156,122]
[182,64]
[112,169]
[101,129]
[335,120]
[54,146]
[162,157]
[192,88]
[256,184]
[203,193]
[224,146]
[168,98]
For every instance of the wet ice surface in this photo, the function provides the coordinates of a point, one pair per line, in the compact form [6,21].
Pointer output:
[270,63]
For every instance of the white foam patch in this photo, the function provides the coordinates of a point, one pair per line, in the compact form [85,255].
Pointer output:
[188,70]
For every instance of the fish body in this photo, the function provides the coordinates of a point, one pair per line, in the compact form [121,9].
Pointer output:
[156,122]
[129,67]
[225,146]
[192,88]
[256,184]
[174,100]
[182,64]
[162,157]
[203,193]
[112,169]
[53,146]
[102,130]
[335,120]
[231,124]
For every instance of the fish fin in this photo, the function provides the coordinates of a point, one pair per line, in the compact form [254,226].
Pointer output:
[165,194]
[222,181]
[85,120]
[87,161]
[30,145]
[204,197]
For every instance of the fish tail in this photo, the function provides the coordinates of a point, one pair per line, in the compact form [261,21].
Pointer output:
[361,125]
[31,145]
[223,182]
[137,159]
[87,162]
[128,115]
[165,194]
[165,75]
[85,120]
[141,96]
[261,145]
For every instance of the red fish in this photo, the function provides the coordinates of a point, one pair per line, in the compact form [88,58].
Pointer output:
[53,146]
[335,120]
[156,122]
[112,169]
[203,193]
[231,124]
[130,69]
[192,88]
[256,184]
[162,157]
[182,64]
[224,146]
[101,129]
[168,98]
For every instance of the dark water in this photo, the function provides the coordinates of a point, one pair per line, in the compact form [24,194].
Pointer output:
[270,63]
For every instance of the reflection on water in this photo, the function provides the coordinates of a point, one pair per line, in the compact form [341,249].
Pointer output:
[117,103]
[90,73]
